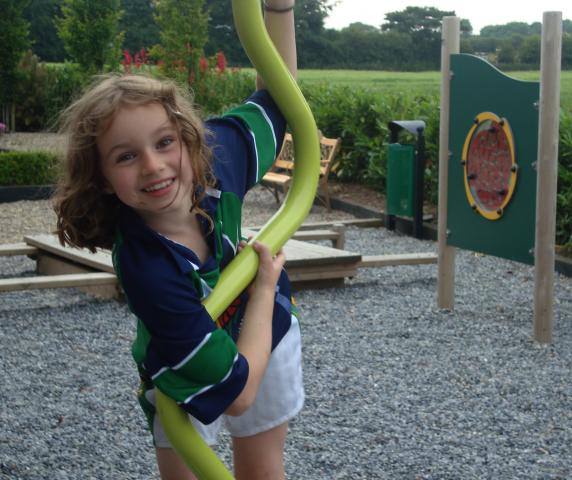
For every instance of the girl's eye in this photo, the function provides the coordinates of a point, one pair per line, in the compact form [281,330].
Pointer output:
[165,142]
[125,157]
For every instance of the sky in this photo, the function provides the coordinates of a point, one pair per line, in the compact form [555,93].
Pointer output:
[479,12]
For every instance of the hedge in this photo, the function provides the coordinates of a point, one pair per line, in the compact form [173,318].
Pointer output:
[27,168]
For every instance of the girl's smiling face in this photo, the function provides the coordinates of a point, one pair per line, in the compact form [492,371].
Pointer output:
[145,162]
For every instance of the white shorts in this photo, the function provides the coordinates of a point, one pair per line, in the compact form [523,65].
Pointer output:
[280,397]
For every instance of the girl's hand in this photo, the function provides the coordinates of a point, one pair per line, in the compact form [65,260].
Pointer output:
[269,267]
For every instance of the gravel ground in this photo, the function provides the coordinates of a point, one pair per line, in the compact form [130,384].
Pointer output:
[18,219]
[396,388]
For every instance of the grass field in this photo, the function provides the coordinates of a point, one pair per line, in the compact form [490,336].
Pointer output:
[389,82]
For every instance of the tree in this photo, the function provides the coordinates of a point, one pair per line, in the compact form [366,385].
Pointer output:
[415,19]
[222,36]
[311,45]
[14,30]
[509,29]
[90,32]
[45,41]
[567,51]
[423,25]
[507,53]
[183,28]
[138,24]
[530,51]
[310,33]
[466,28]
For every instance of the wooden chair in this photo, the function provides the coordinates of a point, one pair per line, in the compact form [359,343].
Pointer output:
[280,175]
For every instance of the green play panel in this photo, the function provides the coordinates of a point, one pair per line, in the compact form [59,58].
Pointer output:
[493,140]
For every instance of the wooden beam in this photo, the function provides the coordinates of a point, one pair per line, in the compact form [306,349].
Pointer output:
[337,237]
[315,235]
[100,260]
[358,222]
[11,249]
[316,274]
[57,281]
[398,259]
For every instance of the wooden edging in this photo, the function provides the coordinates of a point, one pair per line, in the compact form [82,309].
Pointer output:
[397,259]
[360,222]
[58,281]
[12,249]
[99,261]
[563,265]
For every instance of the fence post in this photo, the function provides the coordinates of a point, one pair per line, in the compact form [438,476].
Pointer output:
[446,275]
[547,161]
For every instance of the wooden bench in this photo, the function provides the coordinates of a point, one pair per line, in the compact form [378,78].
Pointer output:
[280,175]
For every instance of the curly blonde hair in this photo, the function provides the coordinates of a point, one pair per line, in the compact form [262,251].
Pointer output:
[87,216]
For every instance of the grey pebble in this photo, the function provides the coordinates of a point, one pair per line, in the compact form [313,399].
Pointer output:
[396,388]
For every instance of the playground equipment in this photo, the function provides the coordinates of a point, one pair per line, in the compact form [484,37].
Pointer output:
[498,165]
[299,200]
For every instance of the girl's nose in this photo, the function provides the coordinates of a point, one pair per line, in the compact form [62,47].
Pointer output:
[151,162]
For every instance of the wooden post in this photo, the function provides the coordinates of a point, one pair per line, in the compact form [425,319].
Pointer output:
[547,163]
[446,277]
[339,242]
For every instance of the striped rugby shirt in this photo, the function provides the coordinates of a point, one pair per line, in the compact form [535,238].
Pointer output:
[178,347]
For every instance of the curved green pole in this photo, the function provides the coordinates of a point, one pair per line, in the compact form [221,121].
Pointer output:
[242,270]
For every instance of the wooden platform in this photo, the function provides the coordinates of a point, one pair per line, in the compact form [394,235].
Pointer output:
[307,265]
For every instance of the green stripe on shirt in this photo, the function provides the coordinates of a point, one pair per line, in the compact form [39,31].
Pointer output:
[219,352]
[255,118]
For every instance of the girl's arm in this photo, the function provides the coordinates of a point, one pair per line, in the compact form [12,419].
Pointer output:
[280,27]
[255,338]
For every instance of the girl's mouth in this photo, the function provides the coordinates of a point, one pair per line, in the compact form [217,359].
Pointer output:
[158,187]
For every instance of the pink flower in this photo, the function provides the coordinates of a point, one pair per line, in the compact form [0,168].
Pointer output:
[203,64]
[220,62]
[127,61]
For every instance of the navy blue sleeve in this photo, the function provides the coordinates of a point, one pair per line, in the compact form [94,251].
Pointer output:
[186,356]
[246,141]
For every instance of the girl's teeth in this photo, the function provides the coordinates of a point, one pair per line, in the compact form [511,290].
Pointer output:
[159,186]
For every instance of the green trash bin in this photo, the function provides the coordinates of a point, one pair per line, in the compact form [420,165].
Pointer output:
[405,169]
[400,180]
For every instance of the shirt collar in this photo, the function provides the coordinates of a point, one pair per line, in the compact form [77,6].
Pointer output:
[147,239]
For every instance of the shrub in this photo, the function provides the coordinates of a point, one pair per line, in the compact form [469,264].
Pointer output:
[217,88]
[27,168]
[564,193]
[65,82]
[360,117]
[43,91]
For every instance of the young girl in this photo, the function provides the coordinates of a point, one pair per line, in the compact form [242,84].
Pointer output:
[146,177]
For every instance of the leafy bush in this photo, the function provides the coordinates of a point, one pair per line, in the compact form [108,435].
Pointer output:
[360,117]
[43,91]
[27,168]
[217,90]
[357,115]
[215,87]
[564,193]
[65,81]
